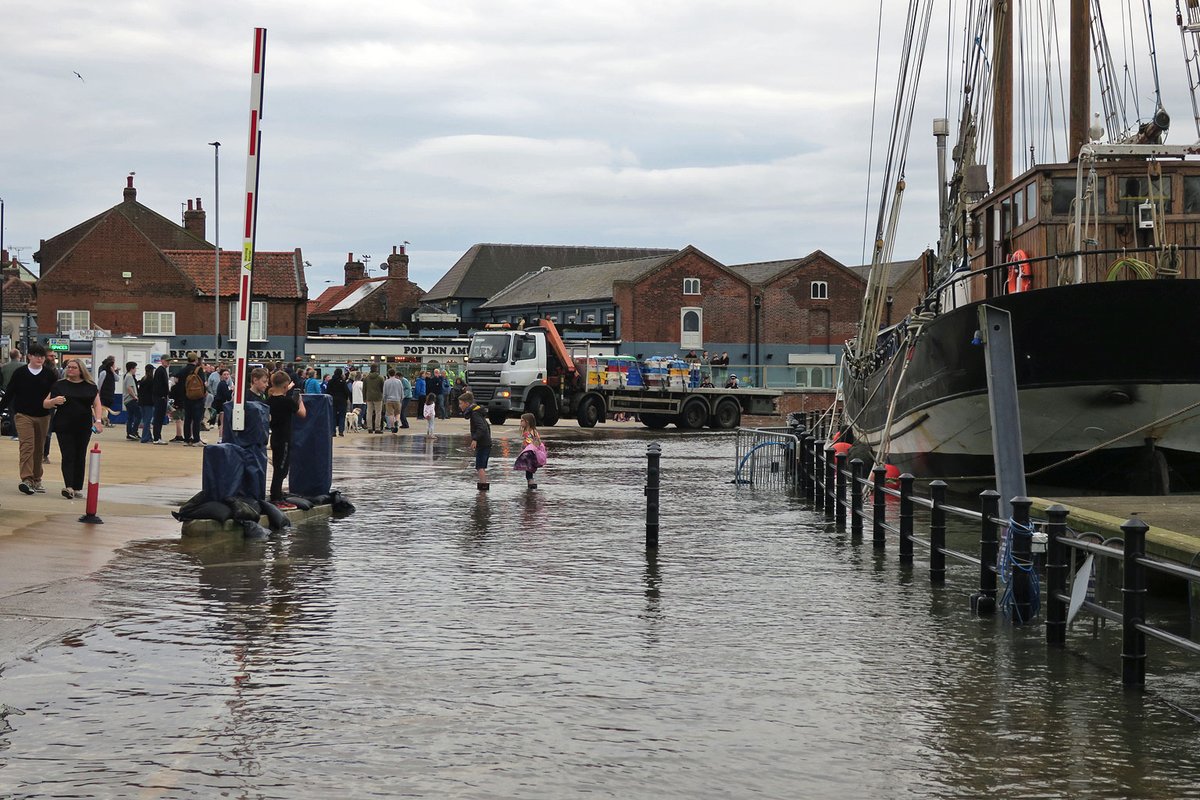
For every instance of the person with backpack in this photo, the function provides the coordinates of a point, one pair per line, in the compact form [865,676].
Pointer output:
[194,391]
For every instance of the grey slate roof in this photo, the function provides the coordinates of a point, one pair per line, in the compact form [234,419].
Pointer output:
[485,269]
[898,271]
[571,284]
[763,271]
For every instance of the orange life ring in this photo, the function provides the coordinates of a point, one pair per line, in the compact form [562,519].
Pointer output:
[1020,274]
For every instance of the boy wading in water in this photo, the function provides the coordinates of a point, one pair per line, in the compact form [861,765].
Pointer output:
[284,404]
[481,436]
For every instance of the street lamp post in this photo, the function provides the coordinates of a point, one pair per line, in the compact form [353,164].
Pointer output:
[216,146]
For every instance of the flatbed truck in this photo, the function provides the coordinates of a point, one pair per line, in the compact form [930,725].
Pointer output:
[512,372]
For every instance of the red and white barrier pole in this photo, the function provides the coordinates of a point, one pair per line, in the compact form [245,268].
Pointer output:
[93,492]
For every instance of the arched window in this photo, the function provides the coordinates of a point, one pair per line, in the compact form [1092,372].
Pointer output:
[691,328]
[820,290]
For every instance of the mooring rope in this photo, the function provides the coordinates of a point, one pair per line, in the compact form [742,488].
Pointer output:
[1008,567]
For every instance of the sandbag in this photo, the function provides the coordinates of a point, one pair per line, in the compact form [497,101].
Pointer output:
[341,507]
[276,518]
[253,530]
[318,499]
[299,502]
[311,469]
[210,509]
[243,508]
[222,471]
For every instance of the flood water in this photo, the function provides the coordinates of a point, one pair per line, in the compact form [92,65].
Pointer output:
[445,643]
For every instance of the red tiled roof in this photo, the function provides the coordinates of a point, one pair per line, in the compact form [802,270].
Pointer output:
[274,274]
[335,294]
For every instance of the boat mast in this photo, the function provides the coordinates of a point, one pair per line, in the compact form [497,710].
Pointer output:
[1002,93]
[1081,106]
[1081,67]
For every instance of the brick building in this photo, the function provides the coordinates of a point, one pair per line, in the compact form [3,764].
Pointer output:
[18,301]
[132,272]
[361,303]
[788,319]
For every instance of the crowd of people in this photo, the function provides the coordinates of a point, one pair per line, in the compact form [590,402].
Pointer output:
[71,406]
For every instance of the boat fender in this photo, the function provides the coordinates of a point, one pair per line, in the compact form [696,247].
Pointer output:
[1020,274]
[891,475]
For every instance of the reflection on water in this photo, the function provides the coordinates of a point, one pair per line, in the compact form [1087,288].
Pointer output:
[446,642]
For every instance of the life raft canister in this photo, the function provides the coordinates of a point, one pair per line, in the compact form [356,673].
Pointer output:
[1020,274]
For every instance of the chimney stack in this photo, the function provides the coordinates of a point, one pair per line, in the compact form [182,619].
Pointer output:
[397,264]
[355,271]
[194,220]
[130,192]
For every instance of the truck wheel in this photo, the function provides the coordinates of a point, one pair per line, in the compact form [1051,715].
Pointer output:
[727,416]
[655,421]
[693,416]
[550,417]
[589,412]
[497,417]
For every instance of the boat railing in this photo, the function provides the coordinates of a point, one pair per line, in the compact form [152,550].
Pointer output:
[1009,548]
[1092,274]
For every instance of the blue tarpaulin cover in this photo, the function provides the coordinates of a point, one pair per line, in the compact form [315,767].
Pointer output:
[311,470]
[252,442]
[223,471]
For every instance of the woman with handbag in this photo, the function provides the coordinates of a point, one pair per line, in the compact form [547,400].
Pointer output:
[534,453]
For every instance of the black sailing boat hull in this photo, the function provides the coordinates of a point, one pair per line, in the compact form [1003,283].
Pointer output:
[1093,361]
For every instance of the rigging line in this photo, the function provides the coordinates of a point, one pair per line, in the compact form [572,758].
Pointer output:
[1130,58]
[1017,21]
[1191,62]
[1045,105]
[1153,54]
[1062,94]
[871,145]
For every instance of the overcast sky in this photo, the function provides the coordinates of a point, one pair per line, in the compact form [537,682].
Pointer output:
[739,127]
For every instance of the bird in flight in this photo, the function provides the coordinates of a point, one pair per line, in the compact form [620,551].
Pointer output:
[77,75]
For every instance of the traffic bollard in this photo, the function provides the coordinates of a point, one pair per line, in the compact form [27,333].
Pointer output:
[93,490]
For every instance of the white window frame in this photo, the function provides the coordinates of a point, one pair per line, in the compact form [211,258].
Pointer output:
[258,320]
[691,340]
[691,286]
[819,290]
[74,326]
[158,329]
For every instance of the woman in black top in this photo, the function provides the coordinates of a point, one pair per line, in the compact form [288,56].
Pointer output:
[79,415]
[339,393]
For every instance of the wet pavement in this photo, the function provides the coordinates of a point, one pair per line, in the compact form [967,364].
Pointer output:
[444,642]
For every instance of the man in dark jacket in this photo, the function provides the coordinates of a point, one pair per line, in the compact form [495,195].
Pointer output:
[106,379]
[162,391]
[481,436]
[145,393]
[27,388]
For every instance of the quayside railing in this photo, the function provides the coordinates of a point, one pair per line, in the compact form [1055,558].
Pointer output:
[837,486]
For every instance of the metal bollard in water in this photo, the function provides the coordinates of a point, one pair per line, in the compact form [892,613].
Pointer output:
[937,533]
[1133,607]
[1021,546]
[906,517]
[653,456]
[856,500]
[878,508]
[983,602]
[1057,570]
